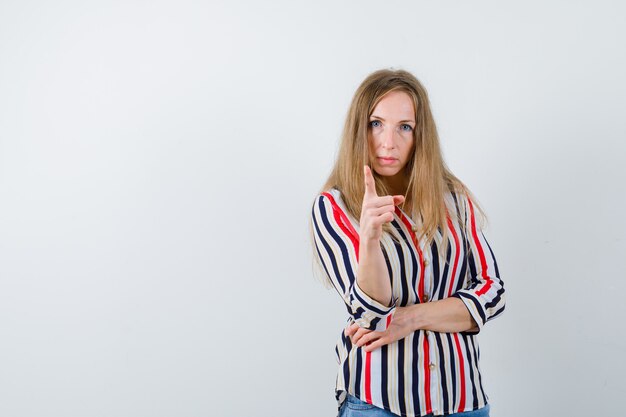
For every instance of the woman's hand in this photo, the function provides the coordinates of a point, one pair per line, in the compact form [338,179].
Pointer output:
[402,324]
[375,210]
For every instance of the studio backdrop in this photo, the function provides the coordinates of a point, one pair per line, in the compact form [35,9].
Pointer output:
[158,165]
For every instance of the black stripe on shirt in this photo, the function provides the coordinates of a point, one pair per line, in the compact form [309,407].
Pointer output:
[435,263]
[415,370]
[401,394]
[442,371]
[383,377]
[338,241]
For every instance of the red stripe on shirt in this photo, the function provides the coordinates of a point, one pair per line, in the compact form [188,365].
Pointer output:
[429,407]
[344,223]
[368,377]
[456,256]
[481,254]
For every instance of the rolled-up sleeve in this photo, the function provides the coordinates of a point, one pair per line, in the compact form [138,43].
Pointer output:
[337,247]
[483,295]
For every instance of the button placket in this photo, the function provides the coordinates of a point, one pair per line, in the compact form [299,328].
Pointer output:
[426,297]
[435,381]
[428,272]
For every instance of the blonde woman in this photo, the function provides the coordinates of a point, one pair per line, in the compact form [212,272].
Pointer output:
[399,237]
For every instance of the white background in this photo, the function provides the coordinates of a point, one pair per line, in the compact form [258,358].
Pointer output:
[159,159]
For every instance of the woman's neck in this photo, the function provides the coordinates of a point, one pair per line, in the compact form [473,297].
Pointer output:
[397,185]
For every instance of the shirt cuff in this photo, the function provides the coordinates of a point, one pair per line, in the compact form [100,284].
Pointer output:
[475,308]
[369,313]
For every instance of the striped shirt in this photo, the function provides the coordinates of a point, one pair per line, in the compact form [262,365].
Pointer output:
[427,371]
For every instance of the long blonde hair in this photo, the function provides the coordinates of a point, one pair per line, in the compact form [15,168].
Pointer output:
[429,177]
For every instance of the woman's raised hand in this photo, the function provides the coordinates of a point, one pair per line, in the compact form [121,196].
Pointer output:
[376,210]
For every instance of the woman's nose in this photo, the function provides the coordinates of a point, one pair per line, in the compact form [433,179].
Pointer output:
[388,139]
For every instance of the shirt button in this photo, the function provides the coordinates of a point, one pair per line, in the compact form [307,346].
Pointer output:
[414,228]
[425,298]
[431,366]
[426,261]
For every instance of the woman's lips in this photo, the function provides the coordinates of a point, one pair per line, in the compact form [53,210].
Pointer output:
[386,161]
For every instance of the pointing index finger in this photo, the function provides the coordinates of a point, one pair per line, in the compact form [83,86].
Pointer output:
[370,185]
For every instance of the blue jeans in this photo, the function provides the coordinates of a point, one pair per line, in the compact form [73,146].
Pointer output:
[353,407]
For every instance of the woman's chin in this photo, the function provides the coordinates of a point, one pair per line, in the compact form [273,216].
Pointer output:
[386,171]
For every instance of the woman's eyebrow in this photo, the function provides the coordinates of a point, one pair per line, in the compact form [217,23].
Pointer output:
[380,118]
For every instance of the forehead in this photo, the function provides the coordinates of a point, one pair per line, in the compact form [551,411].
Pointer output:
[395,105]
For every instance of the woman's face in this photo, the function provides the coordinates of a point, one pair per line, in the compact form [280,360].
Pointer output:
[390,135]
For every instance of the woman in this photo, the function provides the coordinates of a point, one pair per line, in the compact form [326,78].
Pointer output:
[397,235]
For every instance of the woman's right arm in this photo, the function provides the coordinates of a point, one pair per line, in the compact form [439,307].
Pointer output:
[373,275]
[339,249]
[355,263]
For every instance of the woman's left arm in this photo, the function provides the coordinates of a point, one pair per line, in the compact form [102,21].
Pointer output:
[467,310]
[448,315]
[484,293]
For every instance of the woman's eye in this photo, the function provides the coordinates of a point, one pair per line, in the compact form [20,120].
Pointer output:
[406,128]
[375,123]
